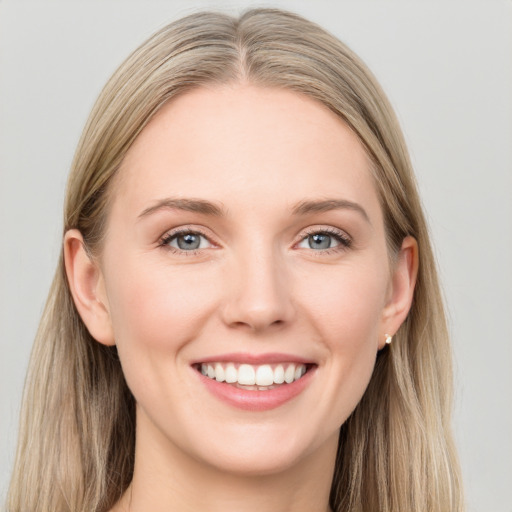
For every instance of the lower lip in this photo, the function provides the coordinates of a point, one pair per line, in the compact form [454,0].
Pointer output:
[254,400]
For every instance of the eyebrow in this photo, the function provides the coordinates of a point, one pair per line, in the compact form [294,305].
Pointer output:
[208,208]
[325,205]
[189,205]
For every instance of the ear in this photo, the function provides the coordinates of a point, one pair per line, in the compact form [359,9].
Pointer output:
[400,296]
[87,288]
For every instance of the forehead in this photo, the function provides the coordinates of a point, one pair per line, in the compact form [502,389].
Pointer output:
[240,144]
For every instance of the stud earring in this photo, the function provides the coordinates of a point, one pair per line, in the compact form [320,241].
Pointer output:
[389,339]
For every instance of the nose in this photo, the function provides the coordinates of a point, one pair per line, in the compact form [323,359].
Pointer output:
[258,293]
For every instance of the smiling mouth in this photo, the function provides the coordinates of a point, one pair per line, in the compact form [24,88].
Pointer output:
[254,377]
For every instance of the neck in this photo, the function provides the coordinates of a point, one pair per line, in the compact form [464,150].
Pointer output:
[169,480]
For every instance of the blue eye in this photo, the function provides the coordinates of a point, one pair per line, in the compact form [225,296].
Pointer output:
[319,241]
[323,240]
[186,241]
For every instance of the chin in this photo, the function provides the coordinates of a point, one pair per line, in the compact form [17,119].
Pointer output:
[264,451]
[256,464]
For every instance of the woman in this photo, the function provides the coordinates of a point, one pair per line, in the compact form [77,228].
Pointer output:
[246,311]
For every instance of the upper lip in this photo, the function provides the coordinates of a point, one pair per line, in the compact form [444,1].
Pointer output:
[255,359]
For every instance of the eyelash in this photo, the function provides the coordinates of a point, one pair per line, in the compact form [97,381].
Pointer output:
[169,237]
[345,242]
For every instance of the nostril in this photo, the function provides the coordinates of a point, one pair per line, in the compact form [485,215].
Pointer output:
[258,300]
[257,324]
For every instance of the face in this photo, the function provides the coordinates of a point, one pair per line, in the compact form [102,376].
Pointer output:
[246,244]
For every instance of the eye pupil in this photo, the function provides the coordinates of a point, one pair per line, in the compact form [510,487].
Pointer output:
[319,241]
[188,241]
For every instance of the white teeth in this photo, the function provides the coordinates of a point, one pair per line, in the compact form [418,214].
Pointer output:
[289,374]
[246,375]
[219,373]
[279,374]
[231,373]
[264,375]
[298,372]
[260,377]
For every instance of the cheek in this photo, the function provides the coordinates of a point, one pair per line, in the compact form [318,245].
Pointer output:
[346,303]
[155,310]
[346,308]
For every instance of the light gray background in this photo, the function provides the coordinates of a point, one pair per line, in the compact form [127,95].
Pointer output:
[447,67]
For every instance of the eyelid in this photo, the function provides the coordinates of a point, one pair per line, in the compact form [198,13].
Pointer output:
[164,240]
[344,239]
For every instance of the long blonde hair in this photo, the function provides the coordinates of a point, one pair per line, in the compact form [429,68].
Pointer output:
[77,433]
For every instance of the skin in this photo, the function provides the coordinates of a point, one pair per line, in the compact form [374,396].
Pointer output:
[255,286]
